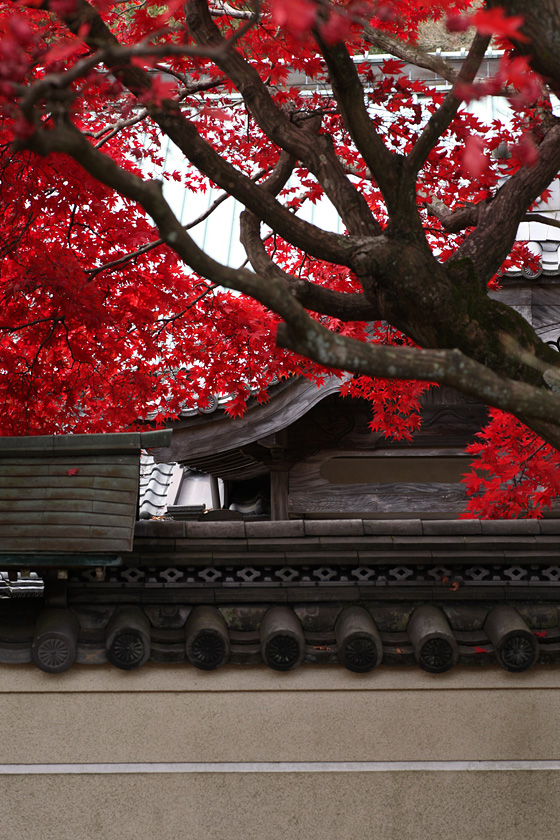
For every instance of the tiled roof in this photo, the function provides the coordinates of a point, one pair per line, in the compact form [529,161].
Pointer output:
[22,586]
[157,482]
[351,591]
[458,529]
[543,239]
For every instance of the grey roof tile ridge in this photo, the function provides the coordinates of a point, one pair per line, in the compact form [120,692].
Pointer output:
[276,529]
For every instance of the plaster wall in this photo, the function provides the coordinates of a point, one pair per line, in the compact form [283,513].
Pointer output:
[168,752]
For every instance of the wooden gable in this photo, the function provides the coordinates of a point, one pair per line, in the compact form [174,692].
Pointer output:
[70,493]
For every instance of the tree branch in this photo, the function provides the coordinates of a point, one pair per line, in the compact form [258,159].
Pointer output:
[303,142]
[301,333]
[454,221]
[541,20]
[447,367]
[346,307]
[441,119]
[491,241]
[349,94]
[55,319]
[155,243]
[106,133]
[324,245]
[413,54]
[65,138]
[410,53]
[220,9]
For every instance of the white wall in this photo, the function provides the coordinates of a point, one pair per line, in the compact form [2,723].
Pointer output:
[170,752]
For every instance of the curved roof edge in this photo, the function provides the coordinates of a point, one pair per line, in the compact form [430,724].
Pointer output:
[219,432]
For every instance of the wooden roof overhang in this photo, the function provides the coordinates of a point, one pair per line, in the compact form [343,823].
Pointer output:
[322,458]
[226,447]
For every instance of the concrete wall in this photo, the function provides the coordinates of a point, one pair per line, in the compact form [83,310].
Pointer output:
[169,752]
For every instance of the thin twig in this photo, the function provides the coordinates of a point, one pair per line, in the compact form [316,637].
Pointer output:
[54,319]
[149,246]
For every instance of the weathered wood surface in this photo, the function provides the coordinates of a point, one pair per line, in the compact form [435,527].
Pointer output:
[99,444]
[278,494]
[394,470]
[448,420]
[78,504]
[310,491]
[45,560]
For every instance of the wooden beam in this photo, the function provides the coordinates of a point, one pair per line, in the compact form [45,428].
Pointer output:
[279,480]
[32,560]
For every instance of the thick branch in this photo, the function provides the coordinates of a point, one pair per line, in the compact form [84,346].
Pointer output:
[541,24]
[441,119]
[315,151]
[349,94]
[492,240]
[346,307]
[454,221]
[302,334]
[448,367]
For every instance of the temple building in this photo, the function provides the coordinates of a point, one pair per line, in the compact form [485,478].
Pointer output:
[276,624]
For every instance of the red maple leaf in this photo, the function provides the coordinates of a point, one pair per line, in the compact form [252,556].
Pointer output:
[474,161]
[497,22]
[297,16]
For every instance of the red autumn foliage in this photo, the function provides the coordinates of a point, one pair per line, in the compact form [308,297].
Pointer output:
[514,473]
[111,314]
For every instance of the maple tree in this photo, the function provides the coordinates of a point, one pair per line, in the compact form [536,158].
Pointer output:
[110,308]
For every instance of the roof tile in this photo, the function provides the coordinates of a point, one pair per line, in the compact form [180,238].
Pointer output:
[339,527]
